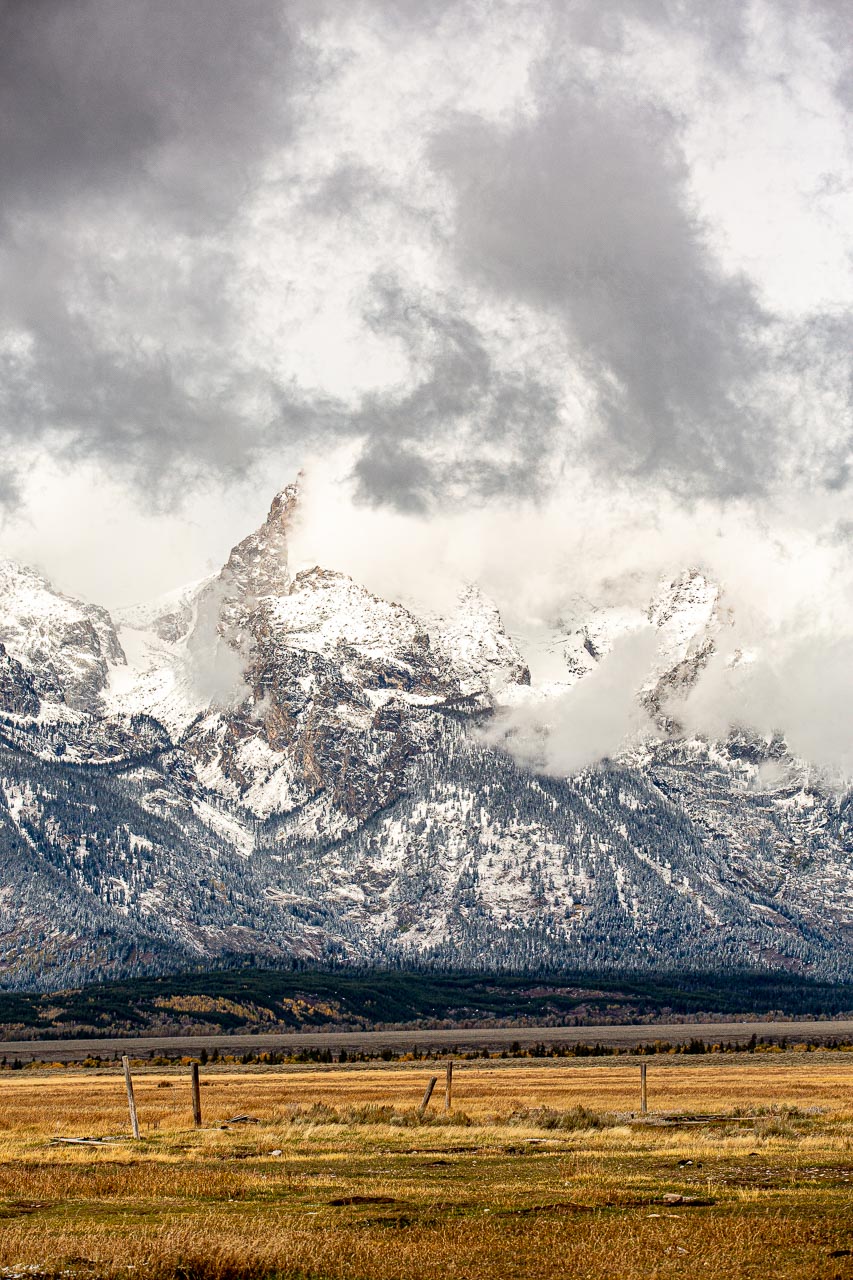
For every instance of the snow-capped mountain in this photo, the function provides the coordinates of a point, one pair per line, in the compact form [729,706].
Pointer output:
[66,647]
[270,764]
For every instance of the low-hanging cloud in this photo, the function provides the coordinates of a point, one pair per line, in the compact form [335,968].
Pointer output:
[588,723]
[797,686]
[781,629]
[214,670]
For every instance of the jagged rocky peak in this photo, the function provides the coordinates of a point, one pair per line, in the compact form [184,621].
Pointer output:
[258,564]
[257,567]
[684,610]
[324,608]
[338,803]
[255,573]
[65,646]
[477,647]
[375,645]
[343,681]
[260,607]
[594,631]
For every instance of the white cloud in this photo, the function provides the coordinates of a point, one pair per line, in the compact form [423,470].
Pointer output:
[592,720]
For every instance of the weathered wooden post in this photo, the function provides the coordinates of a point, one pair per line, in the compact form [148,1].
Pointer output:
[196,1096]
[131,1101]
[427,1095]
[448,1087]
[643,1088]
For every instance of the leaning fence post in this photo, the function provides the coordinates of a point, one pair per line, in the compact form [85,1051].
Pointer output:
[448,1087]
[196,1096]
[642,1088]
[427,1095]
[131,1102]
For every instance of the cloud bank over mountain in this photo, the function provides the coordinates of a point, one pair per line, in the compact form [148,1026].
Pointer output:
[554,296]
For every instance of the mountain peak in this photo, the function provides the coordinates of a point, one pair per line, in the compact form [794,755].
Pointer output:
[284,504]
[478,648]
[257,568]
[258,564]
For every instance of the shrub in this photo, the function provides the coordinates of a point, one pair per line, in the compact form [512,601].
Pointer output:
[578,1117]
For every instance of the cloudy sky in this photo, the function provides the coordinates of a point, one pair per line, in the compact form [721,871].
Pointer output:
[555,294]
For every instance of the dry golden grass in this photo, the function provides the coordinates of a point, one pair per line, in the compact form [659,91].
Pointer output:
[96,1097]
[490,1195]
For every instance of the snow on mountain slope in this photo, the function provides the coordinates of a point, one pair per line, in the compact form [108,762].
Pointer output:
[330,677]
[379,641]
[156,681]
[684,611]
[477,648]
[169,617]
[276,763]
[67,647]
[483,863]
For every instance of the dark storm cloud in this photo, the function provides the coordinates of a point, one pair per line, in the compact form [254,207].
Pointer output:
[817,353]
[583,210]
[87,395]
[133,134]
[719,26]
[175,103]
[466,427]
[130,134]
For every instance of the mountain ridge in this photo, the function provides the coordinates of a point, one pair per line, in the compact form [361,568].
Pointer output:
[286,765]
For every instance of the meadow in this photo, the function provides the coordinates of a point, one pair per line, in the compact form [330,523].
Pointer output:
[743,1166]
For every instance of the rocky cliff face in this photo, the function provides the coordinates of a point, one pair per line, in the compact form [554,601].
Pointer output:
[18,695]
[254,577]
[274,763]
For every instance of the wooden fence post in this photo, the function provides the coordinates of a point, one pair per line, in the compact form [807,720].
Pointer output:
[643,1088]
[448,1087]
[131,1101]
[427,1095]
[196,1096]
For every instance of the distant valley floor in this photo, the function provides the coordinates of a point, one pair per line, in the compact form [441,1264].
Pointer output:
[251,1008]
[430,1042]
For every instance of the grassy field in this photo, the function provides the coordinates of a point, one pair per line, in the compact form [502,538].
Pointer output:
[540,1170]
